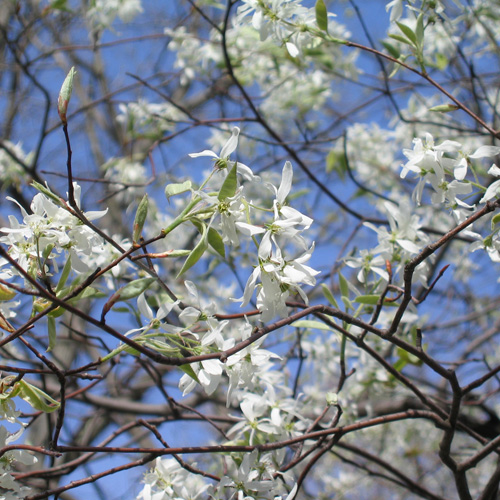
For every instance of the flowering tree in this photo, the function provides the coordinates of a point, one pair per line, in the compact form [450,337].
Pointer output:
[307,308]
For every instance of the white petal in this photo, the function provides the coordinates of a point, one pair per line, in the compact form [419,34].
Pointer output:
[491,192]
[231,144]
[494,170]
[292,49]
[409,246]
[485,151]
[286,183]
[206,152]
[144,308]
[461,171]
[250,286]
[265,246]
[249,229]
[212,366]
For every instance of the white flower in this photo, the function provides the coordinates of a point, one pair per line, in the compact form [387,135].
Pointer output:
[169,481]
[396,8]
[249,478]
[50,225]
[461,163]
[494,188]
[226,150]
[277,278]
[104,12]
[222,159]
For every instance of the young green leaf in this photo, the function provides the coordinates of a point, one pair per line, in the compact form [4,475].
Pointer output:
[214,238]
[47,192]
[444,108]
[494,221]
[309,323]
[229,186]
[328,295]
[129,291]
[51,325]
[36,397]
[401,39]
[6,293]
[321,15]
[419,30]
[65,95]
[134,288]
[215,241]
[140,218]
[344,287]
[393,51]
[173,189]
[64,275]
[372,300]
[196,253]
[188,369]
[408,32]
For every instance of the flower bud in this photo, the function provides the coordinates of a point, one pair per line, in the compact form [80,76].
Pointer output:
[65,95]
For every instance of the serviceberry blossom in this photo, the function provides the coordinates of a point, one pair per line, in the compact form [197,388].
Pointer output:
[222,161]
[278,277]
[434,164]
[494,188]
[51,227]
[103,12]
[251,479]
[168,480]
[398,244]
[462,161]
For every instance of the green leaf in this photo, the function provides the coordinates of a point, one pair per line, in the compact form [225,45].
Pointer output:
[328,295]
[372,300]
[196,253]
[494,221]
[367,299]
[401,39]
[36,397]
[344,287]
[87,293]
[441,61]
[229,186]
[321,15]
[6,293]
[48,193]
[189,371]
[419,30]
[408,32]
[51,325]
[64,275]
[336,161]
[129,291]
[393,51]
[309,323]
[140,218]
[444,108]
[408,357]
[134,288]
[399,364]
[173,189]
[215,241]
[395,69]
[347,303]
[214,238]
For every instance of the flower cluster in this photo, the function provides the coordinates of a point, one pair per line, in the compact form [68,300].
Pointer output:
[435,164]
[49,230]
